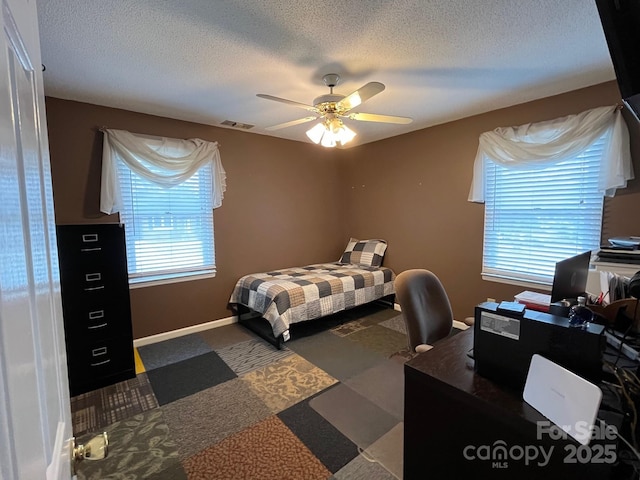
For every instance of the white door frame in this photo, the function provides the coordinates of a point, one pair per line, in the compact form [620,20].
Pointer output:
[35,417]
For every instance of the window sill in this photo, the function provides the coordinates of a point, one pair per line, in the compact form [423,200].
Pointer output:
[155,280]
[517,282]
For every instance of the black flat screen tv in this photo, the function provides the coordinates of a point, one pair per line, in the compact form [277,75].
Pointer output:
[621,24]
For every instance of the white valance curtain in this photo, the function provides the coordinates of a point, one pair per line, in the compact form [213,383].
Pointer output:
[538,144]
[164,161]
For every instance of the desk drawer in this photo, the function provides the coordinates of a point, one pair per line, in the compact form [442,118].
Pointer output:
[101,358]
[78,239]
[86,322]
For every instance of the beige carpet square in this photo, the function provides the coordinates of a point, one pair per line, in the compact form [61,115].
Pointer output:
[286,382]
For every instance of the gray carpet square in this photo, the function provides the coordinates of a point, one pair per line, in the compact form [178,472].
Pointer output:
[207,417]
[171,351]
[381,314]
[360,420]
[189,376]
[379,339]
[326,442]
[349,328]
[361,468]
[388,450]
[227,335]
[382,384]
[339,357]
[246,356]
[174,472]
[396,323]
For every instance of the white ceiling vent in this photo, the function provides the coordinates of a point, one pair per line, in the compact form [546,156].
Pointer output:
[242,126]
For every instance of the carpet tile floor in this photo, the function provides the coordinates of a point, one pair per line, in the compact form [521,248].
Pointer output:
[224,404]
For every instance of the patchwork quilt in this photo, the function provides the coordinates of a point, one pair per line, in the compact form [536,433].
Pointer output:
[298,294]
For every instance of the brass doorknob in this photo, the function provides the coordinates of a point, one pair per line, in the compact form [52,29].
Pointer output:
[95,449]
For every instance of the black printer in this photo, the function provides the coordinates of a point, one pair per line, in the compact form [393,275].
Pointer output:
[505,341]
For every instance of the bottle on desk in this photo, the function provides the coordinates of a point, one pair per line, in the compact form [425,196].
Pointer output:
[579,315]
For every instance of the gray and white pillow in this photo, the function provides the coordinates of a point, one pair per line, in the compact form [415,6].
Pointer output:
[367,253]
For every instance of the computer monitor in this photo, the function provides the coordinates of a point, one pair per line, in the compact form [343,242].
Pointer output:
[570,279]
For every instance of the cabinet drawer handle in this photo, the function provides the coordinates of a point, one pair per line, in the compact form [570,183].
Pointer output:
[95,249]
[96,314]
[89,289]
[100,363]
[96,352]
[93,277]
[91,327]
[90,237]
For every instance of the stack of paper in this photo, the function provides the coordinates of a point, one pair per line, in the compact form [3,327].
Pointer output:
[534,300]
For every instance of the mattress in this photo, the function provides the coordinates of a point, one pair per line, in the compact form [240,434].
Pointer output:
[298,294]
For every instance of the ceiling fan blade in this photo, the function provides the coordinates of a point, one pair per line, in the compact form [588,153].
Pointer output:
[374,117]
[362,94]
[291,123]
[310,108]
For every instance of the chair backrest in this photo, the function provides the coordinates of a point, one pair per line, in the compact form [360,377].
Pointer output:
[425,306]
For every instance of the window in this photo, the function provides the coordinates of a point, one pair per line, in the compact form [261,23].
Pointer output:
[536,217]
[169,231]
[165,190]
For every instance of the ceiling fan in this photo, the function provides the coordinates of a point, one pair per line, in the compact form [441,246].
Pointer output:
[332,108]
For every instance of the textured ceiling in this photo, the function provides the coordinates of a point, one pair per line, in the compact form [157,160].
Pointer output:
[205,60]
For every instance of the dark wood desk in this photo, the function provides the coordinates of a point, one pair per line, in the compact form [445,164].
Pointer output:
[455,418]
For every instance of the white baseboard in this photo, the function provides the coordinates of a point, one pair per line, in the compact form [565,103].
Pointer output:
[459,325]
[160,337]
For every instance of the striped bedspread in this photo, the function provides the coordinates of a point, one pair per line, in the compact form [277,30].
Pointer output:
[297,294]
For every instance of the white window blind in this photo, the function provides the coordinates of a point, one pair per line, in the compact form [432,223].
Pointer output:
[169,231]
[536,217]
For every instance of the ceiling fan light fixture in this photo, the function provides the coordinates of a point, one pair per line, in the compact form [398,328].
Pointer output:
[315,134]
[329,133]
[332,108]
[328,139]
[346,135]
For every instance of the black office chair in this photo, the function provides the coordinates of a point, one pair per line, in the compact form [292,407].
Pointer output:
[425,308]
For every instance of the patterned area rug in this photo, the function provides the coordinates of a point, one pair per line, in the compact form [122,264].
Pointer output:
[246,356]
[224,404]
[92,411]
[141,446]
[287,381]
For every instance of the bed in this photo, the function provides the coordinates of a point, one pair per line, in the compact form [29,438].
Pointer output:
[298,294]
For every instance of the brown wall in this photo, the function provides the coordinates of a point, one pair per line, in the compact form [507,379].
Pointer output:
[283,205]
[293,203]
[412,190]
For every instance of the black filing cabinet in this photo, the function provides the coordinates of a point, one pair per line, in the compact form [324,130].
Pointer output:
[96,306]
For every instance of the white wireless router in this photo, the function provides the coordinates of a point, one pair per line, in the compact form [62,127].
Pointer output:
[569,401]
